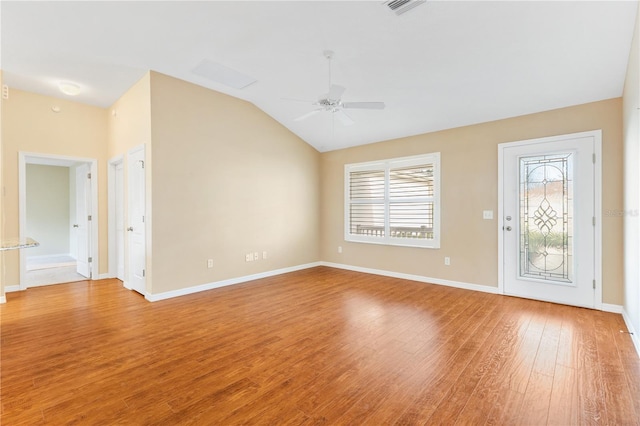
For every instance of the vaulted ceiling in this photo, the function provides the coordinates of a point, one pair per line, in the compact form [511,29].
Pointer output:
[442,64]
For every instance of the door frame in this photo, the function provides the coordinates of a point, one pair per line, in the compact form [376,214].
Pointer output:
[25,158]
[112,192]
[597,138]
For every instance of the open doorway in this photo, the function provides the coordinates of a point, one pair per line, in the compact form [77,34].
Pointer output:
[58,201]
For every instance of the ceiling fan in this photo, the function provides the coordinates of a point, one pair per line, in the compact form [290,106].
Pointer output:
[332,101]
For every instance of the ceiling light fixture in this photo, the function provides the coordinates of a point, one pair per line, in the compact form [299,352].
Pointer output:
[69,88]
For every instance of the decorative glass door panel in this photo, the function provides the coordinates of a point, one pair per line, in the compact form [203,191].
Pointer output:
[548,192]
[546,217]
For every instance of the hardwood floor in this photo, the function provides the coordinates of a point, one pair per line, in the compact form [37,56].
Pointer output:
[319,346]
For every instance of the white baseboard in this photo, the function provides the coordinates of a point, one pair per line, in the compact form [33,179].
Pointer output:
[3,299]
[12,288]
[419,278]
[466,286]
[633,332]
[218,284]
[607,307]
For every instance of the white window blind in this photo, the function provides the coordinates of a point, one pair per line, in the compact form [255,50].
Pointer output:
[394,201]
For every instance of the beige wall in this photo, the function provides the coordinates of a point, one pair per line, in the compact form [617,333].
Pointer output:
[48,218]
[129,119]
[469,176]
[227,180]
[29,124]
[631,129]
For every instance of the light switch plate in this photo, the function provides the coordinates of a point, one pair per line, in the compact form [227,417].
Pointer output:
[487,214]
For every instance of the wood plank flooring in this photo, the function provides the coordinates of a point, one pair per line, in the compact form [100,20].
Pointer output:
[319,346]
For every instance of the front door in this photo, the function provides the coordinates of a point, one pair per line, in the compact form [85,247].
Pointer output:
[548,219]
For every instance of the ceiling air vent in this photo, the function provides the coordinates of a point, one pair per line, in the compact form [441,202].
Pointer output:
[402,6]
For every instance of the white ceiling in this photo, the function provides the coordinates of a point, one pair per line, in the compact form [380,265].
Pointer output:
[443,64]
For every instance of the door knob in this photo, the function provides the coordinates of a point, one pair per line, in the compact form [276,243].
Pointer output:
[508,228]
[75,226]
[130,229]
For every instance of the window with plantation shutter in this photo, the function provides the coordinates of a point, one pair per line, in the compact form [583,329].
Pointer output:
[394,201]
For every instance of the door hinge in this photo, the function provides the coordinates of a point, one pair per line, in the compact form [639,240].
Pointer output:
[594,284]
[594,221]
[594,158]
[142,219]
[89,217]
[141,164]
[144,272]
[88,175]
[90,260]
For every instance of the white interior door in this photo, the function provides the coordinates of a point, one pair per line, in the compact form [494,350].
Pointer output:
[83,222]
[73,234]
[136,219]
[548,223]
[119,220]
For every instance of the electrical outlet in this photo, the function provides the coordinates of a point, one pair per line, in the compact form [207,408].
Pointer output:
[264,254]
[339,249]
[256,256]
[447,260]
[249,257]
[210,263]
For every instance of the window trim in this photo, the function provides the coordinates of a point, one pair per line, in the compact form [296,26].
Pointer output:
[387,165]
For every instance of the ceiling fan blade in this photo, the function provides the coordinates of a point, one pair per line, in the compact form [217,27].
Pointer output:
[307,115]
[344,118]
[335,92]
[363,105]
